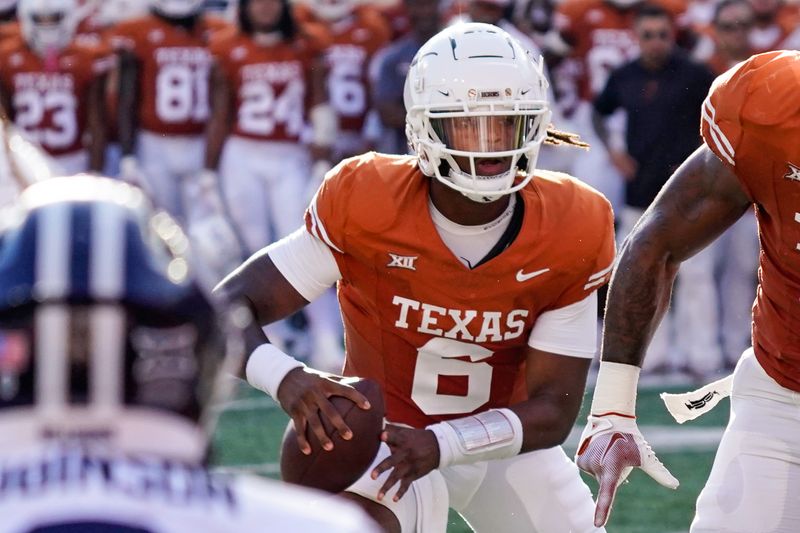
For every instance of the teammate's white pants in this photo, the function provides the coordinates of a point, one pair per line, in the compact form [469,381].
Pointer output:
[535,492]
[264,184]
[693,319]
[167,163]
[71,163]
[737,277]
[755,480]
[594,166]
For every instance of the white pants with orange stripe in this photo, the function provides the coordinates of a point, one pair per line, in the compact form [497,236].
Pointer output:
[755,480]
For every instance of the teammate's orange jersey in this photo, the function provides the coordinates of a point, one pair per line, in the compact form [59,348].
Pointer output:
[49,102]
[270,85]
[442,339]
[602,39]
[354,41]
[174,67]
[751,120]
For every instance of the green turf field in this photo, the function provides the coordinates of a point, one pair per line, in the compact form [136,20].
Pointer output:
[251,426]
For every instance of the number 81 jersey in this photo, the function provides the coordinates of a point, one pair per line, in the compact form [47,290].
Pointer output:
[270,84]
[174,65]
[444,340]
[48,102]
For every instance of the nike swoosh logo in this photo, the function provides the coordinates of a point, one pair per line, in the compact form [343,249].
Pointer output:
[522,276]
[444,93]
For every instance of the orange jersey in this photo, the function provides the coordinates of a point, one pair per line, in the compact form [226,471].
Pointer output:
[174,67]
[444,340]
[270,85]
[354,42]
[9,30]
[751,120]
[50,104]
[602,39]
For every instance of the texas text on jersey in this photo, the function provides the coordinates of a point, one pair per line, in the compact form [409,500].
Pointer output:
[445,340]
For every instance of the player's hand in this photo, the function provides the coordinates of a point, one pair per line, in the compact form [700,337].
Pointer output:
[610,447]
[304,394]
[415,452]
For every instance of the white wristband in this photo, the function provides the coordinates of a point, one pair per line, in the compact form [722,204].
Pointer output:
[267,367]
[615,391]
[493,434]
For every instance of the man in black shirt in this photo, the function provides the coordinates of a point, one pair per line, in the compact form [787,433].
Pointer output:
[662,92]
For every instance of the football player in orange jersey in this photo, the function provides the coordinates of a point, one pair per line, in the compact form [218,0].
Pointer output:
[749,161]
[467,280]
[53,87]
[268,83]
[163,101]
[357,32]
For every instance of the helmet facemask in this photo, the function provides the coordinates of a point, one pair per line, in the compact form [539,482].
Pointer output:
[476,102]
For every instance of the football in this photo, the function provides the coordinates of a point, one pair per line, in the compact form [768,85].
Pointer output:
[335,470]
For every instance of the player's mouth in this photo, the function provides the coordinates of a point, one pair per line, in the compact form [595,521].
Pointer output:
[491,166]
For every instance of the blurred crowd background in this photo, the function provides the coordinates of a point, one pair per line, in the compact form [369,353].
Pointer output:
[230,115]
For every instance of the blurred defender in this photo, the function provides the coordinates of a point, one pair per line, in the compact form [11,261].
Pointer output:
[110,355]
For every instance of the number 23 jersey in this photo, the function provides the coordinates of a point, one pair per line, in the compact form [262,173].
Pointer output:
[444,340]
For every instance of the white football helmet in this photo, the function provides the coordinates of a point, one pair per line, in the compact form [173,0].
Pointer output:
[177,8]
[331,10]
[48,24]
[111,12]
[473,92]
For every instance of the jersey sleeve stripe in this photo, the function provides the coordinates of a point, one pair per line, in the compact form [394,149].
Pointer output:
[318,229]
[595,283]
[602,272]
[723,145]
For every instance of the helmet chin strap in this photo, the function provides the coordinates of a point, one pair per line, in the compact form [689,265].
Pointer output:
[459,177]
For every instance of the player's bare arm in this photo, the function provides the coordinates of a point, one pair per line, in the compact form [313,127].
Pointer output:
[555,391]
[219,121]
[96,122]
[701,200]
[128,101]
[697,204]
[303,393]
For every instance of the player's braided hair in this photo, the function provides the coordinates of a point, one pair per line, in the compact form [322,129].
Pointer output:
[557,138]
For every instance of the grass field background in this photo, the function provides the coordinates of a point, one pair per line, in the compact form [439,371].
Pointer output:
[251,426]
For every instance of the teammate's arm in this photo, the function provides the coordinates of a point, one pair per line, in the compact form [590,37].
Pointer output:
[303,393]
[218,123]
[96,122]
[701,200]
[128,101]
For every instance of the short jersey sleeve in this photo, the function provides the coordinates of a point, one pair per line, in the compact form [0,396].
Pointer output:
[756,99]
[326,216]
[594,259]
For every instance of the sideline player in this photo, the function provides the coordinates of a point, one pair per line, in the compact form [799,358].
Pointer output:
[163,101]
[749,160]
[110,357]
[53,87]
[467,280]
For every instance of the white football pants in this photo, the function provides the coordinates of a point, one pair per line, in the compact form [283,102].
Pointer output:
[755,480]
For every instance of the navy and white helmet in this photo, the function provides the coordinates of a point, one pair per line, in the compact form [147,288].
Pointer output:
[105,336]
[472,91]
